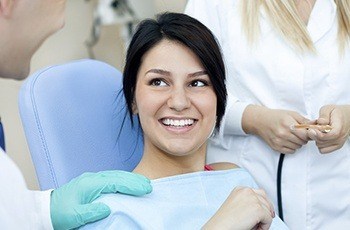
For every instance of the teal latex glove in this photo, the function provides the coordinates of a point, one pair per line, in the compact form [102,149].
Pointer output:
[70,204]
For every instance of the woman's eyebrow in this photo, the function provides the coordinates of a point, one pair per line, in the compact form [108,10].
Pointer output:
[199,73]
[167,73]
[159,71]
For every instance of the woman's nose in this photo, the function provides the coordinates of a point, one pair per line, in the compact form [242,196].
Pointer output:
[179,100]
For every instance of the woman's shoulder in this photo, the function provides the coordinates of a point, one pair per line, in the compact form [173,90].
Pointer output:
[238,176]
[223,166]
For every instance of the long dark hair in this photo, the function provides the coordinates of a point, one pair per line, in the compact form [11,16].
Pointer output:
[187,31]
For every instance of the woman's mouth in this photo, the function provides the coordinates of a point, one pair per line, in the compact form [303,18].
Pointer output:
[177,123]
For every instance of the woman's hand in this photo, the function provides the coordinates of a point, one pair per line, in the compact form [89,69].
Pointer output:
[274,127]
[337,116]
[245,208]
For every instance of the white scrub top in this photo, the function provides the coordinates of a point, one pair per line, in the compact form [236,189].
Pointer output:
[21,208]
[315,187]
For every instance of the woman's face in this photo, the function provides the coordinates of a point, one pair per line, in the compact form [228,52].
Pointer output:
[175,100]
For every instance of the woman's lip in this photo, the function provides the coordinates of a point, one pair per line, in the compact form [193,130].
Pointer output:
[178,118]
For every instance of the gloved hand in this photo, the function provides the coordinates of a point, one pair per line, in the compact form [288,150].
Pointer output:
[70,204]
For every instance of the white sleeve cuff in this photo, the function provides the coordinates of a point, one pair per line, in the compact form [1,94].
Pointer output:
[43,199]
[232,121]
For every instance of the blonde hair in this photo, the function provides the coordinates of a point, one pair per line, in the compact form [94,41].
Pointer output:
[284,17]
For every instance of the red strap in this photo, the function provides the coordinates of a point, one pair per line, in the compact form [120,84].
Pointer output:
[208,168]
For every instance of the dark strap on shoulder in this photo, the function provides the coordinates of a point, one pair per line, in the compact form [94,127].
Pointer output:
[2,136]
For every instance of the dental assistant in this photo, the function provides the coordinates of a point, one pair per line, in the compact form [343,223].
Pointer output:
[288,63]
[24,25]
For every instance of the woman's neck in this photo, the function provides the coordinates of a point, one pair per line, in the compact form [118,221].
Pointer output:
[156,164]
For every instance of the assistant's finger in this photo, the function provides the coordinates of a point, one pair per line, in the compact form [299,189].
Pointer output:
[325,137]
[93,185]
[127,183]
[337,120]
[325,115]
[121,173]
[300,119]
[299,138]
[90,213]
[329,149]
[312,134]
[291,145]
[301,134]
[286,150]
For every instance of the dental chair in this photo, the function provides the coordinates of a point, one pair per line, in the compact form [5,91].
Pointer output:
[75,121]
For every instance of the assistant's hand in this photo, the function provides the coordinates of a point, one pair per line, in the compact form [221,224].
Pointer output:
[274,127]
[245,208]
[337,116]
[70,204]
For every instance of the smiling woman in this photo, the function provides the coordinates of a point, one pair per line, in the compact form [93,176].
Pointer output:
[174,80]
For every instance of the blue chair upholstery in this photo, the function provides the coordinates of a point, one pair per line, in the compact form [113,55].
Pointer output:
[75,121]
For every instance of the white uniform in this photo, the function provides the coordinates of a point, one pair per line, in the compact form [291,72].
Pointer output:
[21,208]
[315,187]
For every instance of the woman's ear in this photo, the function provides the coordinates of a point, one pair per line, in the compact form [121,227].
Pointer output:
[134,108]
[6,7]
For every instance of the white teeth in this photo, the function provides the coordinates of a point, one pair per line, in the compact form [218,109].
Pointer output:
[177,123]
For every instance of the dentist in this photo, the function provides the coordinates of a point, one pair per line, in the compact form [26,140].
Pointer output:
[24,26]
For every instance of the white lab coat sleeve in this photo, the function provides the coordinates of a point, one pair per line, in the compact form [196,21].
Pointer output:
[21,208]
[232,121]
[212,14]
[42,200]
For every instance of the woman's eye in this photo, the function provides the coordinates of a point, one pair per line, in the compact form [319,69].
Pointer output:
[157,82]
[198,83]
